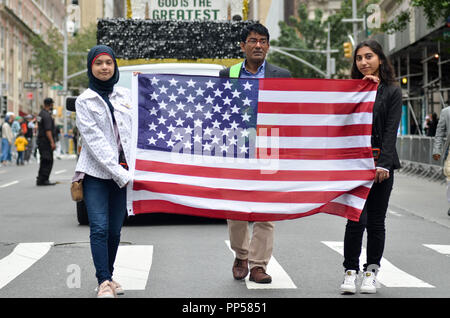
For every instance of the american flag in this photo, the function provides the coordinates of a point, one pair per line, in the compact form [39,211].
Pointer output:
[251,149]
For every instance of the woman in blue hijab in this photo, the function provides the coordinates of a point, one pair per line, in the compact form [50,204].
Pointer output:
[104,121]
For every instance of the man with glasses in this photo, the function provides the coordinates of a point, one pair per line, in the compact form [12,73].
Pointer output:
[253,251]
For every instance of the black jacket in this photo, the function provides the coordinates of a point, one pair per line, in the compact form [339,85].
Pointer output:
[271,71]
[387,111]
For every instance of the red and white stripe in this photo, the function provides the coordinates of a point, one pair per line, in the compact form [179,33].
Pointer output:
[314,155]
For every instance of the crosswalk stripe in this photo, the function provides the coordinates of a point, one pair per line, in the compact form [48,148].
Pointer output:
[280,279]
[443,249]
[389,275]
[394,213]
[21,258]
[9,184]
[132,266]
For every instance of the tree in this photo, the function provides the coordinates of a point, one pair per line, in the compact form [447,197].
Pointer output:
[306,34]
[78,49]
[435,11]
[48,56]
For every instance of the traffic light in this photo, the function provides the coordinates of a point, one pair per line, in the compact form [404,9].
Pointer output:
[59,111]
[3,106]
[404,80]
[348,49]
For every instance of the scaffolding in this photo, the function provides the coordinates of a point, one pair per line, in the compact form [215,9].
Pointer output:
[420,71]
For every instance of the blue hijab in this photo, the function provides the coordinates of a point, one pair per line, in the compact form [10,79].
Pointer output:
[103,88]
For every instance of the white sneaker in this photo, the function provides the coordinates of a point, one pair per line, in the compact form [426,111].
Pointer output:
[369,283]
[119,289]
[348,286]
[106,290]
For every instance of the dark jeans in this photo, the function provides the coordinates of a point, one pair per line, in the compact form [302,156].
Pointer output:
[20,157]
[372,218]
[106,208]
[46,162]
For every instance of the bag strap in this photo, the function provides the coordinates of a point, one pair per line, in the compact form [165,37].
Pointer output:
[235,70]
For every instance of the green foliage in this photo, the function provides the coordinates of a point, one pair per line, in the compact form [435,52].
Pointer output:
[78,49]
[398,24]
[48,56]
[435,11]
[291,36]
[303,33]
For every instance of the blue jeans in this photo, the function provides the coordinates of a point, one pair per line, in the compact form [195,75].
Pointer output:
[20,157]
[106,208]
[6,150]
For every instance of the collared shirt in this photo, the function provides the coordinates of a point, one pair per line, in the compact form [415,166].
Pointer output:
[259,73]
[99,155]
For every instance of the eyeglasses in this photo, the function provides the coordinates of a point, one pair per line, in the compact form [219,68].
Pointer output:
[253,41]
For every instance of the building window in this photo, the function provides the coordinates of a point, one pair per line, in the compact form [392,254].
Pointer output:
[2,37]
[19,9]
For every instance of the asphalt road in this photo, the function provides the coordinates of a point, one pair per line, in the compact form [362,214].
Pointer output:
[169,256]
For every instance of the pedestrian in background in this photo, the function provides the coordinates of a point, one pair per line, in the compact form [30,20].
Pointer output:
[21,145]
[104,122]
[7,140]
[15,127]
[432,125]
[57,135]
[46,143]
[29,136]
[370,63]
[253,250]
[440,150]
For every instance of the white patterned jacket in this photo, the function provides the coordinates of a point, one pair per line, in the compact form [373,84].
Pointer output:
[99,155]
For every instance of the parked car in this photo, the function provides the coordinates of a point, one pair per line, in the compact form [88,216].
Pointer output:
[126,73]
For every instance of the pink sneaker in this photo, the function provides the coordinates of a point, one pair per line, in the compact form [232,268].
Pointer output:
[106,290]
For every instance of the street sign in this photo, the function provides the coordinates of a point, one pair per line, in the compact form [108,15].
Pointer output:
[32,85]
[56,87]
[63,93]
[30,95]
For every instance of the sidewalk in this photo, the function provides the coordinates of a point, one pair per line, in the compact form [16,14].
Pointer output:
[420,197]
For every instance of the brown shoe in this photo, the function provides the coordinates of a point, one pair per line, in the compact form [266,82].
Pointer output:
[240,268]
[259,275]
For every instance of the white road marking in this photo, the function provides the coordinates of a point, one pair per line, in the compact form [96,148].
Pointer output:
[389,275]
[60,171]
[443,249]
[394,213]
[9,184]
[21,258]
[280,279]
[132,266]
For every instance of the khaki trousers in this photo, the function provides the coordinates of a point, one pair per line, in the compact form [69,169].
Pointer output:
[258,248]
[447,174]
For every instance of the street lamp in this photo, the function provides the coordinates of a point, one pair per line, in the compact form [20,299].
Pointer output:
[65,64]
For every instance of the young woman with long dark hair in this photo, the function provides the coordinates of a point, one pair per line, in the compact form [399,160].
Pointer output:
[370,63]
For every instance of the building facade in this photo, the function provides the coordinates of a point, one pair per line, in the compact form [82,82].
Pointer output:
[421,57]
[20,20]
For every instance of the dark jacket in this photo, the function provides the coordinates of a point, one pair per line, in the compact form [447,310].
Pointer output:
[271,71]
[387,111]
